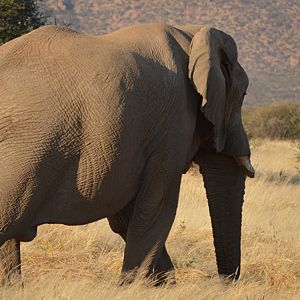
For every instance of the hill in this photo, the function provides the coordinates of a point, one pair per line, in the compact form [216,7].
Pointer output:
[267,32]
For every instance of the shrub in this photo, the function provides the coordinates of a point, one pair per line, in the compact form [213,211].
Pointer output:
[18,17]
[275,121]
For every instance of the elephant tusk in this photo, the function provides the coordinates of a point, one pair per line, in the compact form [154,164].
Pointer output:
[245,164]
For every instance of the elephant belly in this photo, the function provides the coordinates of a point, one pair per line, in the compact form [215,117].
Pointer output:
[93,188]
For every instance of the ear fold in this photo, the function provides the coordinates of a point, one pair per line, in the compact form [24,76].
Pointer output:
[212,56]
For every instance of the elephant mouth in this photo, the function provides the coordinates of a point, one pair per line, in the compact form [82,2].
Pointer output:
[245,165]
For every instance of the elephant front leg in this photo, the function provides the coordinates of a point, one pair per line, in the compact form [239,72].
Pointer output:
[148,229]
[163,269]
[10,262]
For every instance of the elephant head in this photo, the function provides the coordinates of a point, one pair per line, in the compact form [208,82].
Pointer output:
[222,83]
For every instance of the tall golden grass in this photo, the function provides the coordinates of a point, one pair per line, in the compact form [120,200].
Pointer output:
[84,262]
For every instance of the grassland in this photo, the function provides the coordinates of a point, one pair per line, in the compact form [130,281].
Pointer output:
[84,262]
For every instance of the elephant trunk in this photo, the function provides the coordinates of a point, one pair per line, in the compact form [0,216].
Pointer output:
[225,184]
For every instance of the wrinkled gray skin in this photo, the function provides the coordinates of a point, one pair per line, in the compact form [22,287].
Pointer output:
[95,127]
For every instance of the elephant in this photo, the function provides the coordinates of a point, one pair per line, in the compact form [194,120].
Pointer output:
[95,127]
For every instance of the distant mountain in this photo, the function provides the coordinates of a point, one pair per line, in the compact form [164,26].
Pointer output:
[267,32]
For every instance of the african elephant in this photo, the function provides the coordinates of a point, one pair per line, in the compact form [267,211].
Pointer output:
[96,127]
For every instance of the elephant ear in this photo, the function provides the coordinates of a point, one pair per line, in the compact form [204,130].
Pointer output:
[213,54]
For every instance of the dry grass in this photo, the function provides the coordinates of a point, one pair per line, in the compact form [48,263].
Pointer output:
[84,262]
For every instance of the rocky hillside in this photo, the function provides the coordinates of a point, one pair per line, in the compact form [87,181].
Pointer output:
[267,32]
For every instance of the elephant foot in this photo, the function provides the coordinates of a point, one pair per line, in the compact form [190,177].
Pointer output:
[156,279]
[163,279]
[163,272]
[127,278]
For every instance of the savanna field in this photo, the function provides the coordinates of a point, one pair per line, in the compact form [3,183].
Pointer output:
[84,262]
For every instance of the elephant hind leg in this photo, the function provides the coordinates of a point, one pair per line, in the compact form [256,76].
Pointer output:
[163,269]
[10,262]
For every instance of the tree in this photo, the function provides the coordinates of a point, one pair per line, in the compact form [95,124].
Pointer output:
[18,17]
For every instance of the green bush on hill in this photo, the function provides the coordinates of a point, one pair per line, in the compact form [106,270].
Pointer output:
[275,121]
[18,17]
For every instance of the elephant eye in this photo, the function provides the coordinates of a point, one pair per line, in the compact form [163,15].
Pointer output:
[245,94]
